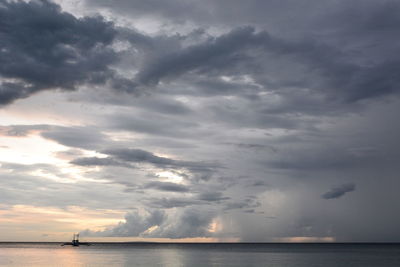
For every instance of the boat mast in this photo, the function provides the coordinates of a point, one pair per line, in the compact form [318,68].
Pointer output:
[75,240]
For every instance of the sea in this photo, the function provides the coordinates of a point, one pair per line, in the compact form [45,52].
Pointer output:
[200,254]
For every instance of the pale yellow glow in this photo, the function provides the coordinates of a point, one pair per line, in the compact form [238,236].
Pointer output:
[34,149]
[151,229]
[172,177]
[77,174]
[32,223]
[215,226]
[43,174]
[28,150]
[10,115]
[121,136]
[28,222]
[43,108]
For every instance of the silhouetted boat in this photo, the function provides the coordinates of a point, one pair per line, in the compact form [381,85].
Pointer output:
[75,242]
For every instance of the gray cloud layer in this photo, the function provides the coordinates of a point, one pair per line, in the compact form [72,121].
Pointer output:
[339,191]
[68,53]
[45,48]
[188,223]
[236,112]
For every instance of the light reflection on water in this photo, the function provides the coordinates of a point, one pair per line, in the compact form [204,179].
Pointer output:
[45,255]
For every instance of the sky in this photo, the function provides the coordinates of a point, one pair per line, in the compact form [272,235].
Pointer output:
[200,121]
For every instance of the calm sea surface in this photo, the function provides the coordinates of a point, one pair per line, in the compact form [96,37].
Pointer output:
[299,255]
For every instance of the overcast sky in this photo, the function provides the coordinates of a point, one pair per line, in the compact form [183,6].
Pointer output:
[207,120]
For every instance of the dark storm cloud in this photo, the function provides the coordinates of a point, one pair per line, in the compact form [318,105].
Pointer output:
[246,203]
[118,157]
[254,146]
[133,158]
[96,161]
[215,53]
[215,86]
[339,191]
[79,137]
[139,8]
[156,125]
[359,16]
[259,183]
[11,91]
[325,157]
[45,48]
[167,186]
[142,156]
[238,52]
[212,196]
[322,59]
[163,105]
[208,12]
[86,137]
[190,223]
[172,202]
[42,48]
[138,155]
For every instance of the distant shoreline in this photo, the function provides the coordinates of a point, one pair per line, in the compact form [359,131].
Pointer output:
[213,243]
